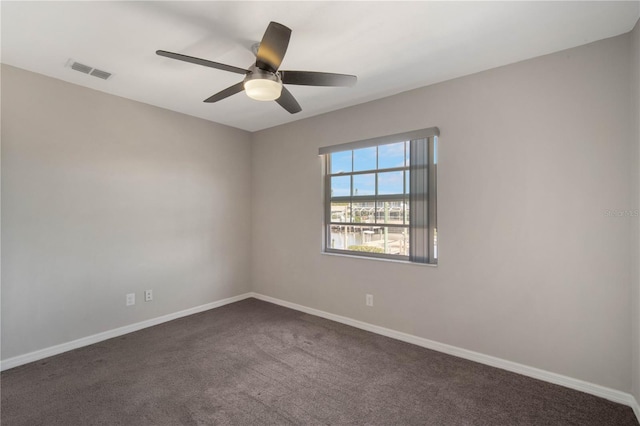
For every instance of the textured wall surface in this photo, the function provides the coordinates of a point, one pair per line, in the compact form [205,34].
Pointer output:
[635,55]
[532,268]
[102,196]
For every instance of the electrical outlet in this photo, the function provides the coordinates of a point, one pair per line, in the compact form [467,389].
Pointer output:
[148,295]
[369,300]
[131,299]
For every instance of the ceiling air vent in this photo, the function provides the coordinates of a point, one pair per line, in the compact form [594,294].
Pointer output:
[81,67]
[100,74]
[86,69]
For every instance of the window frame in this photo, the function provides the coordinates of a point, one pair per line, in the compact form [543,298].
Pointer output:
[422,168]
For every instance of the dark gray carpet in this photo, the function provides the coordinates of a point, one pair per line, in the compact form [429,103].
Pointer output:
[255,363]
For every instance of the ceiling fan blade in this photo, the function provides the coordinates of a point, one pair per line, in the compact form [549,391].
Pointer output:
[311,78]
[202,62]
[236,88]
[273,47]
[288,102]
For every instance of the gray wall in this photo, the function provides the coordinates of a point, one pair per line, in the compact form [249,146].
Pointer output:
[531,269]
[103,196]
[635,55]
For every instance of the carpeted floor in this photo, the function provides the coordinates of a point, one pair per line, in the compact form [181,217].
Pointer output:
[255,363]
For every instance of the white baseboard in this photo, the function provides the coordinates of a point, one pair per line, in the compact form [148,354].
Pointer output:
[636,408]
[109,334]
[536,373]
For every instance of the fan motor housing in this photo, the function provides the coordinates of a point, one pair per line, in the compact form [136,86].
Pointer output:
[256,73]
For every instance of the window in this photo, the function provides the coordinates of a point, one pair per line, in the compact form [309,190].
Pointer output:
[380,197]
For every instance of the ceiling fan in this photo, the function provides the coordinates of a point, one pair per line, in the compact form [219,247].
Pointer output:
[263,80]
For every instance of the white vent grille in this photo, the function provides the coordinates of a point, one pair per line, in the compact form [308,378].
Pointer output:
[100,74]
[86,69]
[81,67]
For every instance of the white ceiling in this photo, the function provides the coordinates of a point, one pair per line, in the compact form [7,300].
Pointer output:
[391,46]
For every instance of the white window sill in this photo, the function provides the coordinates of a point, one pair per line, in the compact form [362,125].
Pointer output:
[379,259]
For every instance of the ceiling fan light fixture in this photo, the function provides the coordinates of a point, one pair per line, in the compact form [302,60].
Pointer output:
[262,89]
[262,85]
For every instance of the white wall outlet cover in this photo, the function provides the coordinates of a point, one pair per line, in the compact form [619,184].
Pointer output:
[131,299]
[148,295]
